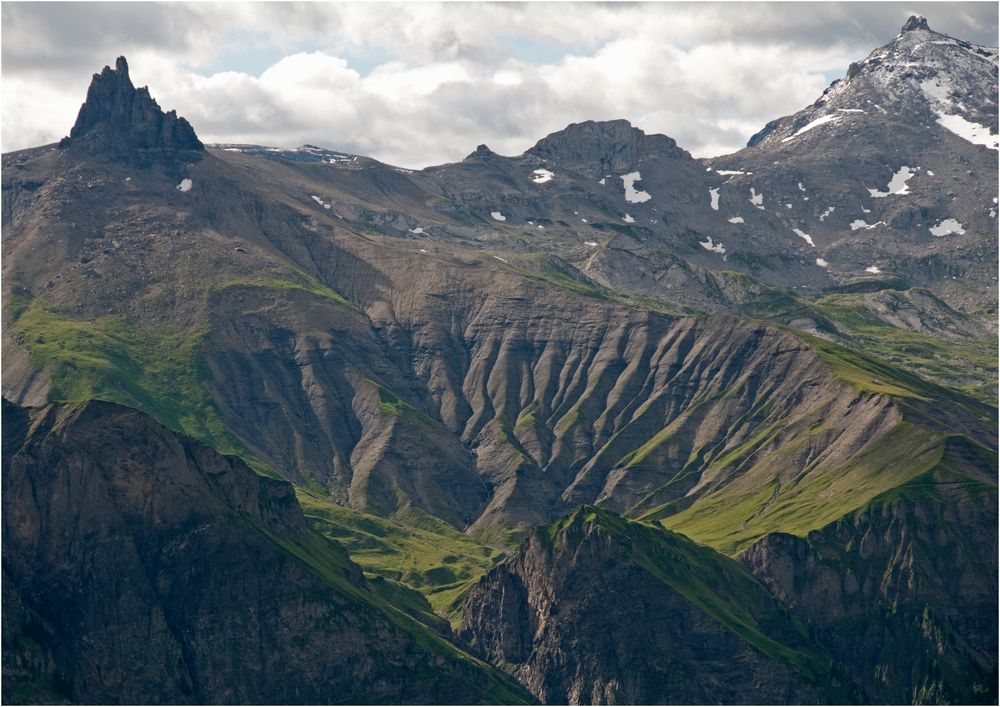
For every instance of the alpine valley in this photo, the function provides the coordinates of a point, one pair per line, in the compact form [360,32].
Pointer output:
[598,423]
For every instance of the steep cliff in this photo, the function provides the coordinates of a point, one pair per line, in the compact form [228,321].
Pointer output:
[140,566]
[596,609]
[903,592]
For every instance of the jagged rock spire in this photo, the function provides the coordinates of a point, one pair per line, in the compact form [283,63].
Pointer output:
[916,22]
[123,122]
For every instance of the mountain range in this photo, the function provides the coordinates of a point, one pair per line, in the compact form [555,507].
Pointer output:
[599,423]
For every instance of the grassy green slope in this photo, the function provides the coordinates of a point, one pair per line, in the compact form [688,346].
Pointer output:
[739,513]
[413,548]
[154,368]
[967,363]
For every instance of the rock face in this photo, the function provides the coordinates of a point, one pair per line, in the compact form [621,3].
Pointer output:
[599,610]
[142,567]
[122,122]
[903,593]
[609,146]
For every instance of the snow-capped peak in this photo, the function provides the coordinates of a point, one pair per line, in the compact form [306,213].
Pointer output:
[921,77]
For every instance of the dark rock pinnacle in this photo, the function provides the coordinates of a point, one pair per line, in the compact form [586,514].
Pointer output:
[916,22]
[122,122]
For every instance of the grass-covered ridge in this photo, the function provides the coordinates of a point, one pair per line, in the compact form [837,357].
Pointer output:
[762,501]
[330,562]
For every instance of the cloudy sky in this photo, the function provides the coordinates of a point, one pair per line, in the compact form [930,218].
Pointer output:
[416,84]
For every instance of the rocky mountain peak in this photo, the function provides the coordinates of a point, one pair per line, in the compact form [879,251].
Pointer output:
[481,151]
[612,145]
[122,122]
[916,22]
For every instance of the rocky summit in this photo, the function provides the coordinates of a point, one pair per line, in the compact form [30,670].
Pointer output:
[599,423]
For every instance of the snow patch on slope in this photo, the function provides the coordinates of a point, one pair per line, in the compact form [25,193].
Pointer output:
[967,130]
[822,120]
[804,236]
[714,247]
[947,227]
[633,195]
[540,176]
[897,185]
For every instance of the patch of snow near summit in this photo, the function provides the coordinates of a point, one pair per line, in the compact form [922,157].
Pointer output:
[967,130]
[540,176]
[822,263]
[185,185]
[861,223]
[813,124]
[501,259]
[756,199]
[938,93]
[897,185]
[804,236]
[592,244]
[418,230]
[873,270]
[628,219]
[497,216]
[829,210]
[602,181]
[632,195]
[947,227]
[736,219]
[714,247]
[714,196]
